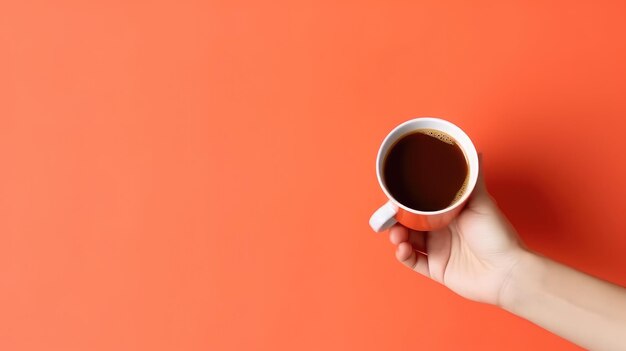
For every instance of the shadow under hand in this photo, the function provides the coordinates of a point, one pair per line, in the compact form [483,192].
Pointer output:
[530,207]
[546,224]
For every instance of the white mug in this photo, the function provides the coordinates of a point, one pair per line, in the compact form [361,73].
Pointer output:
[393,211]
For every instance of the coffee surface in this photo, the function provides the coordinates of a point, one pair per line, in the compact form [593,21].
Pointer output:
[426,170]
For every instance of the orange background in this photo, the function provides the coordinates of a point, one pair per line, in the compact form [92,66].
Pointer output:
[198,175]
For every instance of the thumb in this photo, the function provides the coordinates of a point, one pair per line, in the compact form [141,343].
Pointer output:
[480,198]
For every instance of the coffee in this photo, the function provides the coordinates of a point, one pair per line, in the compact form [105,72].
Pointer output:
[426,170]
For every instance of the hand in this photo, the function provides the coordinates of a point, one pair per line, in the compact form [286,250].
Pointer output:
[479,256]
[473,256]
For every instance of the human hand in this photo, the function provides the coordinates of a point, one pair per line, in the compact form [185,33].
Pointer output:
[473,256]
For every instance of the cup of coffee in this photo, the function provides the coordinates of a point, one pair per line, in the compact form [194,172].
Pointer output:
[427,168]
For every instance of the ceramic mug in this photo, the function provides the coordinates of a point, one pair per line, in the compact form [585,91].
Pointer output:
[393,211]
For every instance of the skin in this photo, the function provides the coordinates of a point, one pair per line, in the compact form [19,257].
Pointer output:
[480,257]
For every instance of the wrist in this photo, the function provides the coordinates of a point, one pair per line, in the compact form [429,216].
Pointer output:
[522,282]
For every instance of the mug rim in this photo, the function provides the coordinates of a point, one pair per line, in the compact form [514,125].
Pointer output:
[470,145]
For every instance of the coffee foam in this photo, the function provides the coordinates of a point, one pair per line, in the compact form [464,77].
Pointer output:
[461,192]
[439,135]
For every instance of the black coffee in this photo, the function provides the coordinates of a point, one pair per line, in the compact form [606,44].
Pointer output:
[426,170]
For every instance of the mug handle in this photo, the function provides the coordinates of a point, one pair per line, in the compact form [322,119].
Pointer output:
[384,217]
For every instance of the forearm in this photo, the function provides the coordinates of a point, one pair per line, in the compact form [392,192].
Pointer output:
[580,308]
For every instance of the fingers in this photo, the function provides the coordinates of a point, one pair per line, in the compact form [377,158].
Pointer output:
[412,259]
[418,241]
[410,248]
[480,199]
[439,245]
[481,187]
[398,234]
